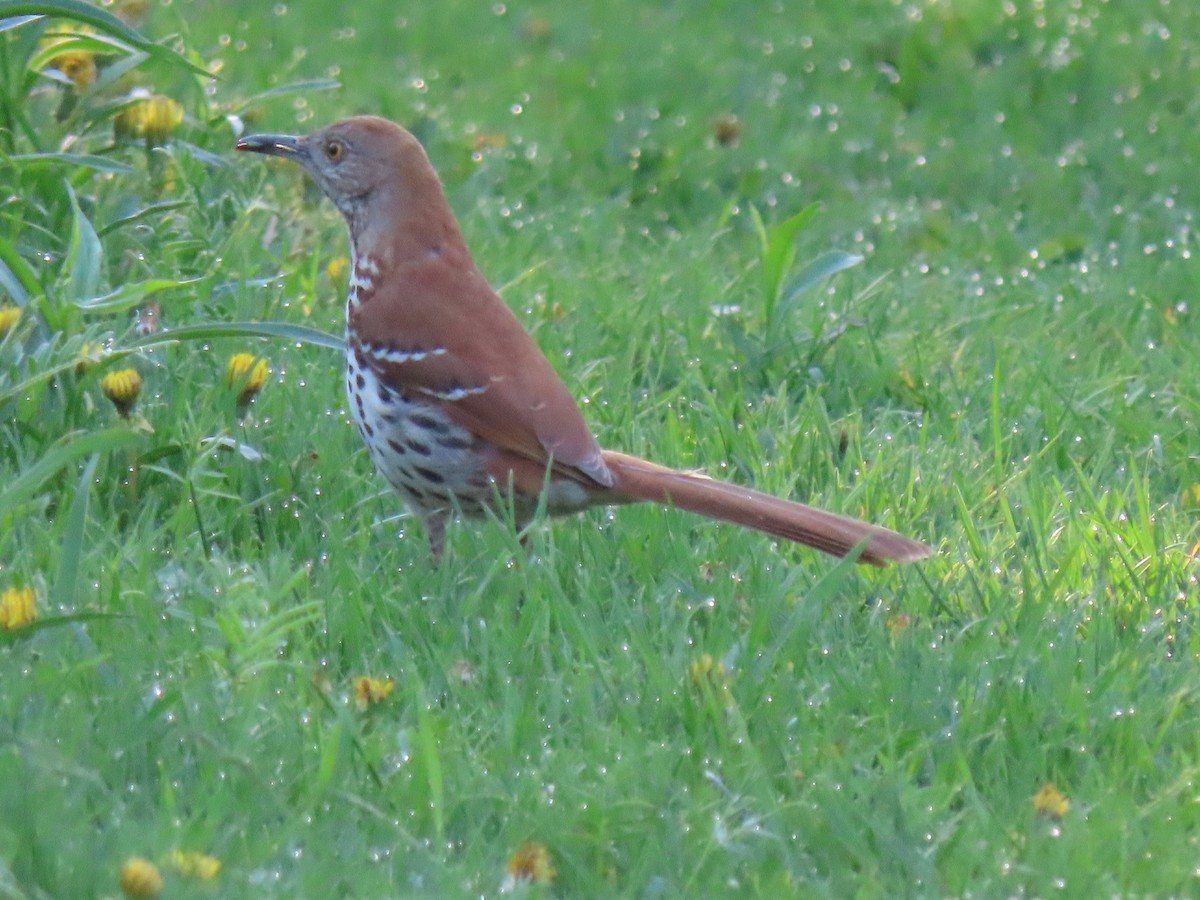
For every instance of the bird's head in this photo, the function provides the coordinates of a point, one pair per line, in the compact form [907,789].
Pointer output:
[352,159]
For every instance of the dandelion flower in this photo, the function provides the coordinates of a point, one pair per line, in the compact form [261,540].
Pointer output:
[132,11]
[536,29]
[18,606]
[194,864]
[89,355]
[9,316]
[122,388]
[1049,801]
[702,667]
[77,65]
[140,878]
[372,690]
[531,863]
[336,267]
[727,129]
[248,373]
[488,140]
[153,117]
[707,674]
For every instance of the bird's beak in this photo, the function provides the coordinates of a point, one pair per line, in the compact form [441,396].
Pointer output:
[286,145]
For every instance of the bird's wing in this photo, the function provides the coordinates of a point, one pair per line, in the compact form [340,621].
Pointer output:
[438,331]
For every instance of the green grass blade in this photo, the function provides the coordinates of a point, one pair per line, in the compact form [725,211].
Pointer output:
[284,331]
[74,161]
[84,253]
[27,482]
[824,266]
[427,743]
[16,275]
[101,20]
[307,86]
[48,622]
[75,44]
[131,294]
[779,251]
[62,592]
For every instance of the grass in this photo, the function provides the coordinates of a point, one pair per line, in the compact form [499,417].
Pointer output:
[670,707]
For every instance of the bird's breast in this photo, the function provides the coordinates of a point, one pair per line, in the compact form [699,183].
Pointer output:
[364,273]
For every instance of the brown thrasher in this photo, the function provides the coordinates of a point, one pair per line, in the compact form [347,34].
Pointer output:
[454,399]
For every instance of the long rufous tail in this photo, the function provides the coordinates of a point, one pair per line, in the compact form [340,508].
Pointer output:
[643,480]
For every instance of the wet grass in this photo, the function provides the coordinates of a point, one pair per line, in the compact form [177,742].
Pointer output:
[672,708]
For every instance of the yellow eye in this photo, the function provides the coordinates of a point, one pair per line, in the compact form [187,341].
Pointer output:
[334,150]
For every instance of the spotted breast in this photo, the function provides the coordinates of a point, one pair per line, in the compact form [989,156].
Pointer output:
[432,462]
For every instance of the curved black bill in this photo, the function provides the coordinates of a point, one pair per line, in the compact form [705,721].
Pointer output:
[271,144]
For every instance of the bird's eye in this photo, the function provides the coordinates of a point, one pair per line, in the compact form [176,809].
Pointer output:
[334,150]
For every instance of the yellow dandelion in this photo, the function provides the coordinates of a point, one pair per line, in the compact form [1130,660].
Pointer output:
[488,140]
[122,388]
[194,864]
[18,606]
[1049,801]
[160,117]
[77,65]
[372,690]
[132,11]
[531,863]
[140,878]
[535,28]
[336,267]
[706,669]
[88,356]
[727,129]
[707,673]
[152,118]
[248,373]
[9,316]
[897,624]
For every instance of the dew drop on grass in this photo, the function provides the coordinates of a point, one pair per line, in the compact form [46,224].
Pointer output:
[154,694]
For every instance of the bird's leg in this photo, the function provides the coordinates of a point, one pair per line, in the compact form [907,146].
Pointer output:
[435,528]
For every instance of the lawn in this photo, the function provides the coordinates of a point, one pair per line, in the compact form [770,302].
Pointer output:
[926,264]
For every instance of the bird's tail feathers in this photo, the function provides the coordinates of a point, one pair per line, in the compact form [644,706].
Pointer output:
[839,535]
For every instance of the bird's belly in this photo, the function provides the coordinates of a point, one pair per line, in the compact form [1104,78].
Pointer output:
[432,462]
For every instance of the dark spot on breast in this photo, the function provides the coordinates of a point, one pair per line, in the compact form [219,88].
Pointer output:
[397,447]
[360,381]
[429,474]
[429,423]
[417,447]
[454,442]
[370,431]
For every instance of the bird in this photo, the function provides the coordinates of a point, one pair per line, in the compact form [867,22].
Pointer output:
[459,408]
